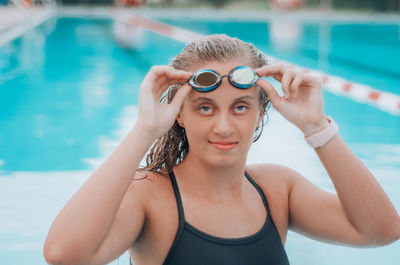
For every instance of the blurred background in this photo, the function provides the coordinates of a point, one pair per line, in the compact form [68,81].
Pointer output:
[355,5]
[70,73]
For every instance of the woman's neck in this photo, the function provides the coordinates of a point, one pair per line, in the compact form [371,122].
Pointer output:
[218,181]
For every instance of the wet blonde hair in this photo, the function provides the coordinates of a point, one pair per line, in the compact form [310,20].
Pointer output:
[172,147]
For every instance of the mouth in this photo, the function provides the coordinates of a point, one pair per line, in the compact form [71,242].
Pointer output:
[223,146]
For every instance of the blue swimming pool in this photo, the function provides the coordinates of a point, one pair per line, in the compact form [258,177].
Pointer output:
[69,90]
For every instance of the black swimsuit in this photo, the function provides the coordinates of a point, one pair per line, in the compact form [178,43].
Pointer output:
[194,247]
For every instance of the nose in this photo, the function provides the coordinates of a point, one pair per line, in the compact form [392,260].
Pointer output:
[223,125]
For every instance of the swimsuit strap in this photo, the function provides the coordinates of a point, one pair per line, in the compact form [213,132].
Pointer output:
[264,199]
[177,197]
[181,217]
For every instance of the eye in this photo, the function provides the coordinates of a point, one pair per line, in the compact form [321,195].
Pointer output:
[205,109]
[241,108]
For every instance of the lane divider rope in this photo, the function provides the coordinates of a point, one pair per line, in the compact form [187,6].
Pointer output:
[385,101]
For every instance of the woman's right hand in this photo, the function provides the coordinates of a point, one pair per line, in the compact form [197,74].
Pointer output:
[155,117]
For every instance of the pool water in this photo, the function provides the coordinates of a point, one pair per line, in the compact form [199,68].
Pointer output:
[362,52]
[69,92]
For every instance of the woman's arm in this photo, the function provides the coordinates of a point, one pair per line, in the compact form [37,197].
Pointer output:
[84,223]
[364,201]
[360,213]
[102,220]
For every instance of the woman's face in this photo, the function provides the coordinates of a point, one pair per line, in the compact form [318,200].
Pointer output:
[220,124]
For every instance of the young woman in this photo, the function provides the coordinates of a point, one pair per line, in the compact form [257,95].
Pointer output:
[196,201]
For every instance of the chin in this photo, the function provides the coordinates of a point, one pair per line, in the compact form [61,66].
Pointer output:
[224,160]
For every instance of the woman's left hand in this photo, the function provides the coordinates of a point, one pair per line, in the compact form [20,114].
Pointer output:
[302,102]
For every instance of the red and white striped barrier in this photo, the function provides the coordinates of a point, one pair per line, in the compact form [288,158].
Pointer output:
[286,4]
[164,29]
[385,101]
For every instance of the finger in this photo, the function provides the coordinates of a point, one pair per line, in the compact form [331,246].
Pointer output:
[168,83]
[175,75]
[180,96]
[170,73]
[168,79]
[279,72]
[160,73]
[271,92]
[277,78]
[294,87]
[175,81]
[152,78]
[271,70]
[285,83]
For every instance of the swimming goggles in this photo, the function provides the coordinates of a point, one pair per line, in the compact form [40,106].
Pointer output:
[206,80]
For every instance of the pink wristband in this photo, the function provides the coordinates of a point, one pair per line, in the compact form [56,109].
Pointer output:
[319,139]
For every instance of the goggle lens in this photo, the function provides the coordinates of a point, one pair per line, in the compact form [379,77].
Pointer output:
[243,76]
[206,79]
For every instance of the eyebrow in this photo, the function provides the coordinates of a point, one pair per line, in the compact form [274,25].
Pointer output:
[247,97]
[202,98]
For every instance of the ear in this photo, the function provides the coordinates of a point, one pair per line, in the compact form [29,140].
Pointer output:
[179,119]
[260,117]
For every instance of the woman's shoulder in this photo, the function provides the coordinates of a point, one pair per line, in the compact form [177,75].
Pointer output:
[267,170]
[276,182]
[147,184]
[273,175]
